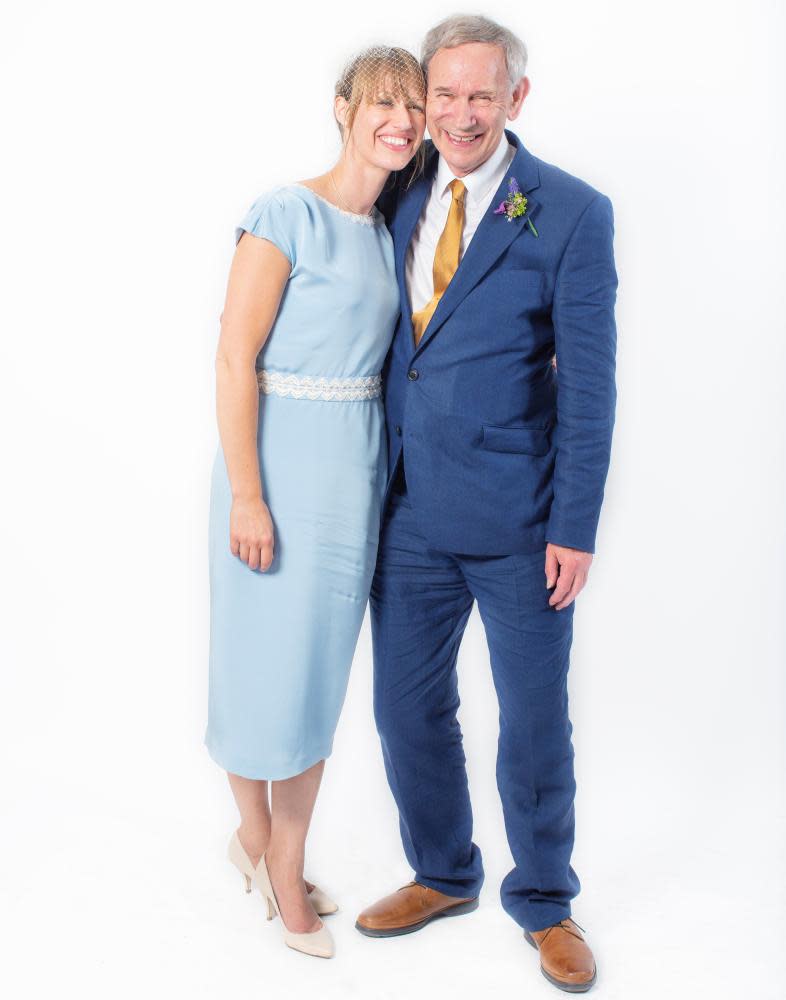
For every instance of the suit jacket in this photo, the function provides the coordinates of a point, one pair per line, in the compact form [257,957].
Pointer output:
[502,453]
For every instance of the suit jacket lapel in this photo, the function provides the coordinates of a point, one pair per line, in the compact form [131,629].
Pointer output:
[408,211]
[492,237]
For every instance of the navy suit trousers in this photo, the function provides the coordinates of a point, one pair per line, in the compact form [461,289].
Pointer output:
[420,602]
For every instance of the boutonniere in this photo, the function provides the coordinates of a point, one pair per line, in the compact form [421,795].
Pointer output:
[515,204]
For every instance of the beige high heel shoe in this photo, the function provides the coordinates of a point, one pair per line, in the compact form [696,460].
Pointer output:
[236,853]
[318,943]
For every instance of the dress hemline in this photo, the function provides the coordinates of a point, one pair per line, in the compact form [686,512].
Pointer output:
[244,770]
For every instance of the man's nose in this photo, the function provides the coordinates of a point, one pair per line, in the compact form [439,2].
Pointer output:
[463,114]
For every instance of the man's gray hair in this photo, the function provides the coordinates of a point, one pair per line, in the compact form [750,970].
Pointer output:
[463,28]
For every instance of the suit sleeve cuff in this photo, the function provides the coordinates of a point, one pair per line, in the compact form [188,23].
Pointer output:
[570,533]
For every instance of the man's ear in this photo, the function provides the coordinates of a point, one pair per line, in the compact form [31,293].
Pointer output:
[519,92]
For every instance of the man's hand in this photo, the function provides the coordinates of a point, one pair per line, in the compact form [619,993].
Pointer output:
[568,569]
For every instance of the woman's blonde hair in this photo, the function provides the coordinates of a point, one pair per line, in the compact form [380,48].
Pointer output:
[382,69]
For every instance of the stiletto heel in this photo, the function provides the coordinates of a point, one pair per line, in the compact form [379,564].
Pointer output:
[322,903]
[318,943]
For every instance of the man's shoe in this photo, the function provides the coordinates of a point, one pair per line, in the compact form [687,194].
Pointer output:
[410,908]
[565,957]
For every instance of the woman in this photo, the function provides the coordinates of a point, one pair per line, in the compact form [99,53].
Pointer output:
[310,310]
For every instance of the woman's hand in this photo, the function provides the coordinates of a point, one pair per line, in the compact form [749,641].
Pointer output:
[251,533]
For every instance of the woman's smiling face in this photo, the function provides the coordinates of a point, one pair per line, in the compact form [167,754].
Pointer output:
[388,125]
[470,98]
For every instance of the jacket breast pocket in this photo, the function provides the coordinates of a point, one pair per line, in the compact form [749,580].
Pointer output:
[519,440]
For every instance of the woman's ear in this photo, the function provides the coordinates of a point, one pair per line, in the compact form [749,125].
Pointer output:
[340,105]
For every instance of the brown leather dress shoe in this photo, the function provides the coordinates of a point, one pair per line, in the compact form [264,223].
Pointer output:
[410,908]
[565,957]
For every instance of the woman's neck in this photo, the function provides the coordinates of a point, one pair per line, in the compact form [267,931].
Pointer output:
[354,187]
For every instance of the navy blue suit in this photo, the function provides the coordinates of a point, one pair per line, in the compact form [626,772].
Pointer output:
[501,455]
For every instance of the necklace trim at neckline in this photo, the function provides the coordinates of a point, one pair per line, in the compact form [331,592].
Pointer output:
[364,220]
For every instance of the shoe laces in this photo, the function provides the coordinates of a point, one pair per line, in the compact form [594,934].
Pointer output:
[565,925]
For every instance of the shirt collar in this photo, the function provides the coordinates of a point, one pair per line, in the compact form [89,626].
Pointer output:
[483,179]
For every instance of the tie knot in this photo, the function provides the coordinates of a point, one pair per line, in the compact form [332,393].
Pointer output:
[457,189]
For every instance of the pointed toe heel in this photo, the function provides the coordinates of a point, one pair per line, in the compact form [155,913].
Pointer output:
[318,943]
[322,903]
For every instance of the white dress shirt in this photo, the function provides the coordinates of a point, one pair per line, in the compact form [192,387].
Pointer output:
[481,185]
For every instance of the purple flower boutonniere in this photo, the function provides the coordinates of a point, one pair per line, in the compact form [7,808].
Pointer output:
[515,204]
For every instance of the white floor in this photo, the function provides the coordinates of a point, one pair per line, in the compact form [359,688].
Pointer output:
[121,890]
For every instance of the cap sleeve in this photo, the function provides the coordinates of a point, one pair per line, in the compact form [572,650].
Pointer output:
[272,217]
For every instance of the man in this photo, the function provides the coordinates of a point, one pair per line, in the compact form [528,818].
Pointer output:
[497,466]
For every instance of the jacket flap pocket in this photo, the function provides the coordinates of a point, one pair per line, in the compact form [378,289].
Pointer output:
[524,440]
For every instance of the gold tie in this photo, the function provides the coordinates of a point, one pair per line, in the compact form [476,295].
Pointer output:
[446,258]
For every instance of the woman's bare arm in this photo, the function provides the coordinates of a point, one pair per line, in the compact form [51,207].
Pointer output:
[257,279]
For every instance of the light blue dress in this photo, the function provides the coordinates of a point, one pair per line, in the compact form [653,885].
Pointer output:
[282,641]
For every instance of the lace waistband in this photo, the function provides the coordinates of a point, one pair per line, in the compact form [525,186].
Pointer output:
[319,386]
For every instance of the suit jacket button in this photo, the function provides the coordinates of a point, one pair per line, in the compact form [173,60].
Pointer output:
[412,374]
[398,430]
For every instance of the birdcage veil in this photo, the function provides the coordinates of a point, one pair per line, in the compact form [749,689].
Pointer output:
[382,69]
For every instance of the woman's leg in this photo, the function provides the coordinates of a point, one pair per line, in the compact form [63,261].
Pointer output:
[252,803]
[292,807]
[251,797]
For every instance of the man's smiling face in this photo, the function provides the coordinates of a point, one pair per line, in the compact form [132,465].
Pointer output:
[470,98]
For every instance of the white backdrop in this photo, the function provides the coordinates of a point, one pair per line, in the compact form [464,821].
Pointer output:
[137,134]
